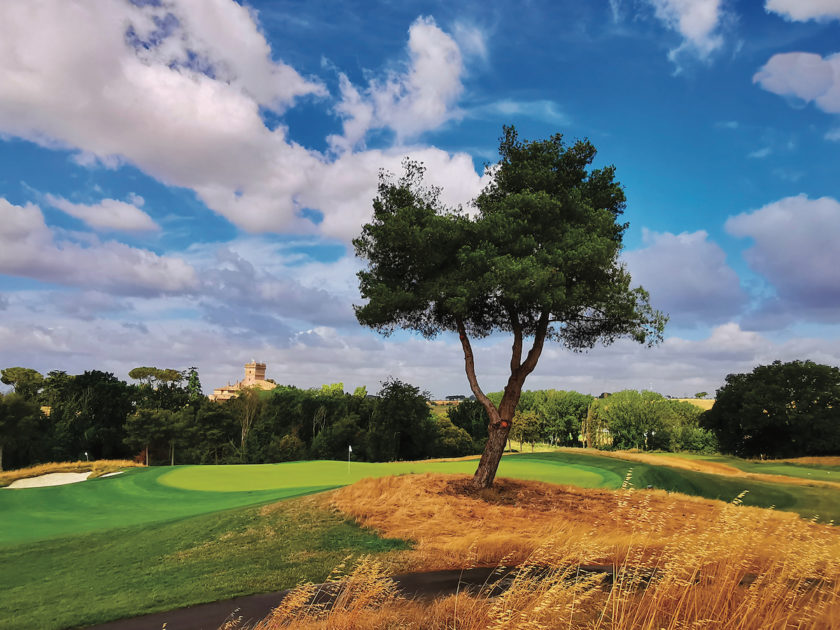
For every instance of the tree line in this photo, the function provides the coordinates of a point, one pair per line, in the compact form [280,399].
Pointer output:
[779,410]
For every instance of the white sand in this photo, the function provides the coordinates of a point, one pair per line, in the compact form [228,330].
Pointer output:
[52,479]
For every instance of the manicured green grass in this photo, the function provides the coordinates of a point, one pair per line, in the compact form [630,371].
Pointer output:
[95,577]
[260,477]
[132,498]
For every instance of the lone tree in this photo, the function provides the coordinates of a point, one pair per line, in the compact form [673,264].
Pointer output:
[537,257]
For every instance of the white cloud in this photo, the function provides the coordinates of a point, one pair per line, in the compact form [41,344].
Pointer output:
[471,39]
[698,21]
[30,249]
[795,249]
[108,214]
[760,153]
[45,339]
[804,10]
[687,277]
[186,110]
[420,98]
[833,135]
[542,110]
[805,76]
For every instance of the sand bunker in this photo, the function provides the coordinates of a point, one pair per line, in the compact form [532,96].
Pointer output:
[52,479]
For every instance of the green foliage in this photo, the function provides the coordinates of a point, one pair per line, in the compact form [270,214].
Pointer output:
[541,253]
[401,427]
[26,381]
[647,421]
[88,414]
[332,442]
[153,376]
[451,440]
[471,416]
[194,392]
[778,410]
[701,395]
[333,389]
[528,426]
[21,426]
[287,448]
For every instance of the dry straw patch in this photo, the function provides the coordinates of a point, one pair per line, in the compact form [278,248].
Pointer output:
[96,468]
[680,562]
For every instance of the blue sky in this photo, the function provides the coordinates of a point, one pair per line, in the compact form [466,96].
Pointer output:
[180,180]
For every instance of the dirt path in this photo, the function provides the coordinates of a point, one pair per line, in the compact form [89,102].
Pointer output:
[253,608]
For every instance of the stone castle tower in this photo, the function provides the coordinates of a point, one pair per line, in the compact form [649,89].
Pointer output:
[253,372]
[254,377]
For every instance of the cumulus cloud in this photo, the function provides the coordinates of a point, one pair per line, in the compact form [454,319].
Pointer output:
[698,21]
[108,214]
[419,98]
[30,249]
[804,10]
[795,249]
[160,87]
[804,76]
[687,277]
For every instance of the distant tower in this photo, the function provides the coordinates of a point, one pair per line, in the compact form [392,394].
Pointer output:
[254,372]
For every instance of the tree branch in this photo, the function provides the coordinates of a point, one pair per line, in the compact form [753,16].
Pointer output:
[469,365]
[534,353]
[516,351]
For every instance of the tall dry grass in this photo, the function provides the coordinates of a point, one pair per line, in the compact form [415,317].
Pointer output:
[97,469]
[679,562]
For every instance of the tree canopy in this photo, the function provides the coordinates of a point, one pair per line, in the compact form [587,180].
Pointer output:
[25,381]
[779,410]
[536,256]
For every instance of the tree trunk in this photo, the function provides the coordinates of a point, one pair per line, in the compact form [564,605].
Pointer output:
[1,457]
[492,456]
[147,455]
[172,453]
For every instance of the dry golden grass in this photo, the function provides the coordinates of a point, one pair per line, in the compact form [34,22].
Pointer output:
[97,469]
[703,403]
[680,562]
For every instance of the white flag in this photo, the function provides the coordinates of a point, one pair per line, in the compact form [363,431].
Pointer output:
[349,448]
